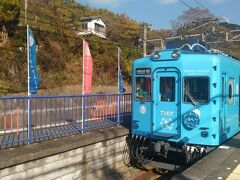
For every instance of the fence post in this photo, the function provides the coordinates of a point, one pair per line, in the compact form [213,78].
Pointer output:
[83,113]
[29,118]
[118,110]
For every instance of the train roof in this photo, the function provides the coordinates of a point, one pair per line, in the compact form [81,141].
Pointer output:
[187,46]
[179,43]
[192,46]
[175,54]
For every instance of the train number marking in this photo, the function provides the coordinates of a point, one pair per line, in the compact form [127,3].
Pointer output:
[166,121]
[166,113]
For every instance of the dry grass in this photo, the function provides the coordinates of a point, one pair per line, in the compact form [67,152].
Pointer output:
[76,90]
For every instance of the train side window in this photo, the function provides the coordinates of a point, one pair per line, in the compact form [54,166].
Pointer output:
[143,88]
[231,91]
[196,90]
[167,89]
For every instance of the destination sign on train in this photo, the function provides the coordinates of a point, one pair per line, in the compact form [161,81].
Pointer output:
[143,71]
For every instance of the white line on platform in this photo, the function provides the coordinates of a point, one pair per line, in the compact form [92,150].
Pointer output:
[224,147]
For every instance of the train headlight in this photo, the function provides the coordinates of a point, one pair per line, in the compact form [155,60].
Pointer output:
[175,53]
[156,55]
[142,109]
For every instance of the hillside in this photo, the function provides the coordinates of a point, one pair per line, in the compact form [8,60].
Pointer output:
[59,52]
[55,24]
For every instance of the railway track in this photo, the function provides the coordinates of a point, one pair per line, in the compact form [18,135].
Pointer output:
[155,173]
[152,173]
[146,175]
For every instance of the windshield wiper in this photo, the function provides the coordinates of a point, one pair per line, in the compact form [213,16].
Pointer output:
[191,98]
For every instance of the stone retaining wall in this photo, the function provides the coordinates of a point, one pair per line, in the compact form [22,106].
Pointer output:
[94,161]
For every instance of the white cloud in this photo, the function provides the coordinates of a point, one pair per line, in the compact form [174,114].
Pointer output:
[168,1]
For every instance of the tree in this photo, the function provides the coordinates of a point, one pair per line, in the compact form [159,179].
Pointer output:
[3,36]
[9,14]
[193,14]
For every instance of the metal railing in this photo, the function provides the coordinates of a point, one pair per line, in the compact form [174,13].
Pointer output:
[52,117]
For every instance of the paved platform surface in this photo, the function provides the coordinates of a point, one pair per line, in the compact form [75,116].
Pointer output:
[221,163]
[14,139]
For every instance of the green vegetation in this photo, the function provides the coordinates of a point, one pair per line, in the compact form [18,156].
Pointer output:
[9,13]
[55,24]
[59,53]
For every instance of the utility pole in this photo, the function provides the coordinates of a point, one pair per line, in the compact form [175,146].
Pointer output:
[226,39]
[26,7]
[28,78]
[145,40]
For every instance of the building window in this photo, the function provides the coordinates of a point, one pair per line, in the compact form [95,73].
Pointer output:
[167,89]
[231,91]
[84,26]
[99,28]
[196,90]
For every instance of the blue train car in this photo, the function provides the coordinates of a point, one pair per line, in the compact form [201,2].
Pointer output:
[185,99]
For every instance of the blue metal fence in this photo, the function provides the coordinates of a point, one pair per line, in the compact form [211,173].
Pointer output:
[52,117]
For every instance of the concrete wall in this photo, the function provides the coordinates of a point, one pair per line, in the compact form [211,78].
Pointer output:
[91,155]
[96,161]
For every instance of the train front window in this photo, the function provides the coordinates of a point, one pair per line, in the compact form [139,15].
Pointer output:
[143,88]
[196,90]
[167,89]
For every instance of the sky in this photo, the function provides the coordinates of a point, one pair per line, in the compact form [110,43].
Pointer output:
[159,13]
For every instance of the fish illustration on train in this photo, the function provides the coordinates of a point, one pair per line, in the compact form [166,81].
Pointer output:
[185,102]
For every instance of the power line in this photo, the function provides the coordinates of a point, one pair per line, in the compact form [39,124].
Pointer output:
[200,4]
[77,15]
[33,20]
[190,7]
[89,40]
[75,37]
[186,4]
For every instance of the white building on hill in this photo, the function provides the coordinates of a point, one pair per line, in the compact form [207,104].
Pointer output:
[92,25]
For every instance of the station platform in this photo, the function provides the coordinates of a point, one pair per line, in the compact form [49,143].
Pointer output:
[221,163]
[27,153]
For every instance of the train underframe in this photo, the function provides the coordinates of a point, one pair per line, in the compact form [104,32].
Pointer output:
[163,154]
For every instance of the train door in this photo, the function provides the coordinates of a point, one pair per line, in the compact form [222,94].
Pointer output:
[166,106]
[223,106]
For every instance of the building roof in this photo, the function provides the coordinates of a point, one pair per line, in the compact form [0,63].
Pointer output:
[89,18]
